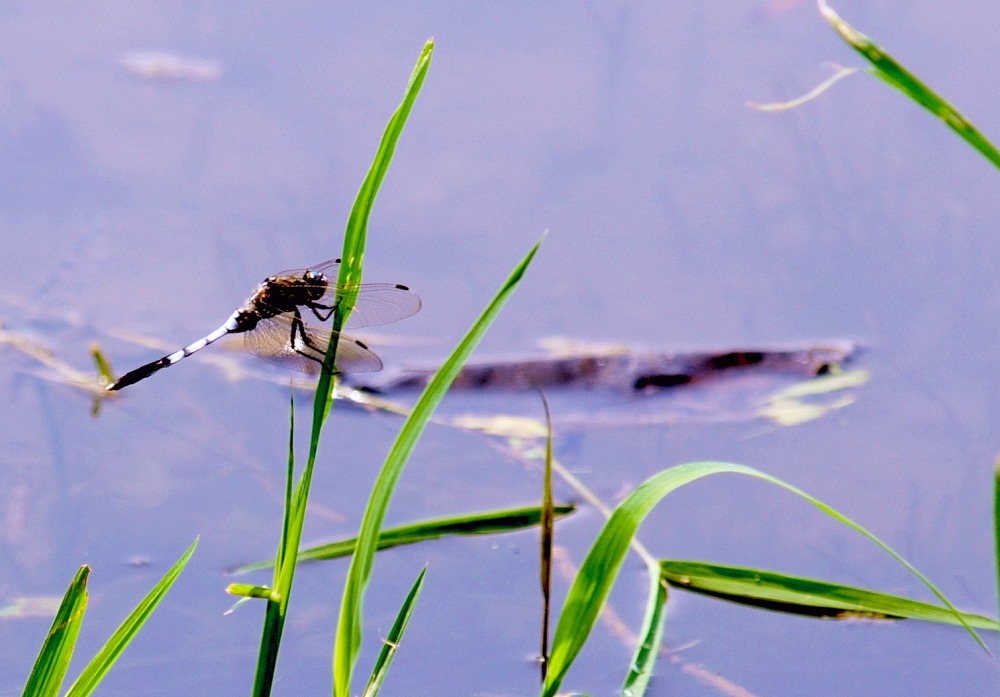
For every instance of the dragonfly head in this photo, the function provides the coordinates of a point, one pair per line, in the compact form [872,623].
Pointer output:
[315,283]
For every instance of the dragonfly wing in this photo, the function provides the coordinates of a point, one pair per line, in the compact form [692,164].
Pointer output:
[380,303]
[329,268]
[271,339]
[376,304]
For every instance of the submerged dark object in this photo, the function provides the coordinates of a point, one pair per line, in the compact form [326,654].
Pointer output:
[634,372]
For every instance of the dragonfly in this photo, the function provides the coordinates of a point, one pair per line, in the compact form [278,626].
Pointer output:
[280,319]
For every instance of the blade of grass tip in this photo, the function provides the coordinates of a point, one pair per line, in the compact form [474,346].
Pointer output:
[892,72]
[547,525]
[600,568]
[357,224]
[109,653]
[390,645]
[650,639]
[352,256]
[348,642]
[57,649]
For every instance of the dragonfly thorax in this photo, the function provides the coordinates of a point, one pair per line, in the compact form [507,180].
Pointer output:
[280,294]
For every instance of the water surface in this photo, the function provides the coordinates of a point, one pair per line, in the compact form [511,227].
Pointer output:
[677,217]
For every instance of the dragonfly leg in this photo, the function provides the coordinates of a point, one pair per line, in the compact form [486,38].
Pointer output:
[298,327]
[317,307]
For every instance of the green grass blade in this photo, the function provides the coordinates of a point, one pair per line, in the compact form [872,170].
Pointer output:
[286,518]
[892,72]
[600,568]
[352,258]
[650,639]
[484,523]
[355,236]
[348,642]
[284,568]
[57,649]
[109,653]
[277,605]
[804,596]
[545,552]
[357,224]
[391,643]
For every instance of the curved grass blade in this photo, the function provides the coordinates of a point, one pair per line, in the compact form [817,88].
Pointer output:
[600,568]
[804,596]
[348,642]
[485,523]
[888,69]
[109,653]
[391,643]
[57,650]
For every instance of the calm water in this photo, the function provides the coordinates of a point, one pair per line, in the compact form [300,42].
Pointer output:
[677,216]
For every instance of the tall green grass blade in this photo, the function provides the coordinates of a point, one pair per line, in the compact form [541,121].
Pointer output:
[57,649]
[109,653]
[391,643]
[485,523]
[650,639]
[548,525]
[349,626]
[804,596]
[352,258]
[600,568]
[277,597]
[888,69]
[286,518]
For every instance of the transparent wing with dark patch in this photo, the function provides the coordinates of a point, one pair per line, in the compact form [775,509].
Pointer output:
[377,303]
[271,339]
